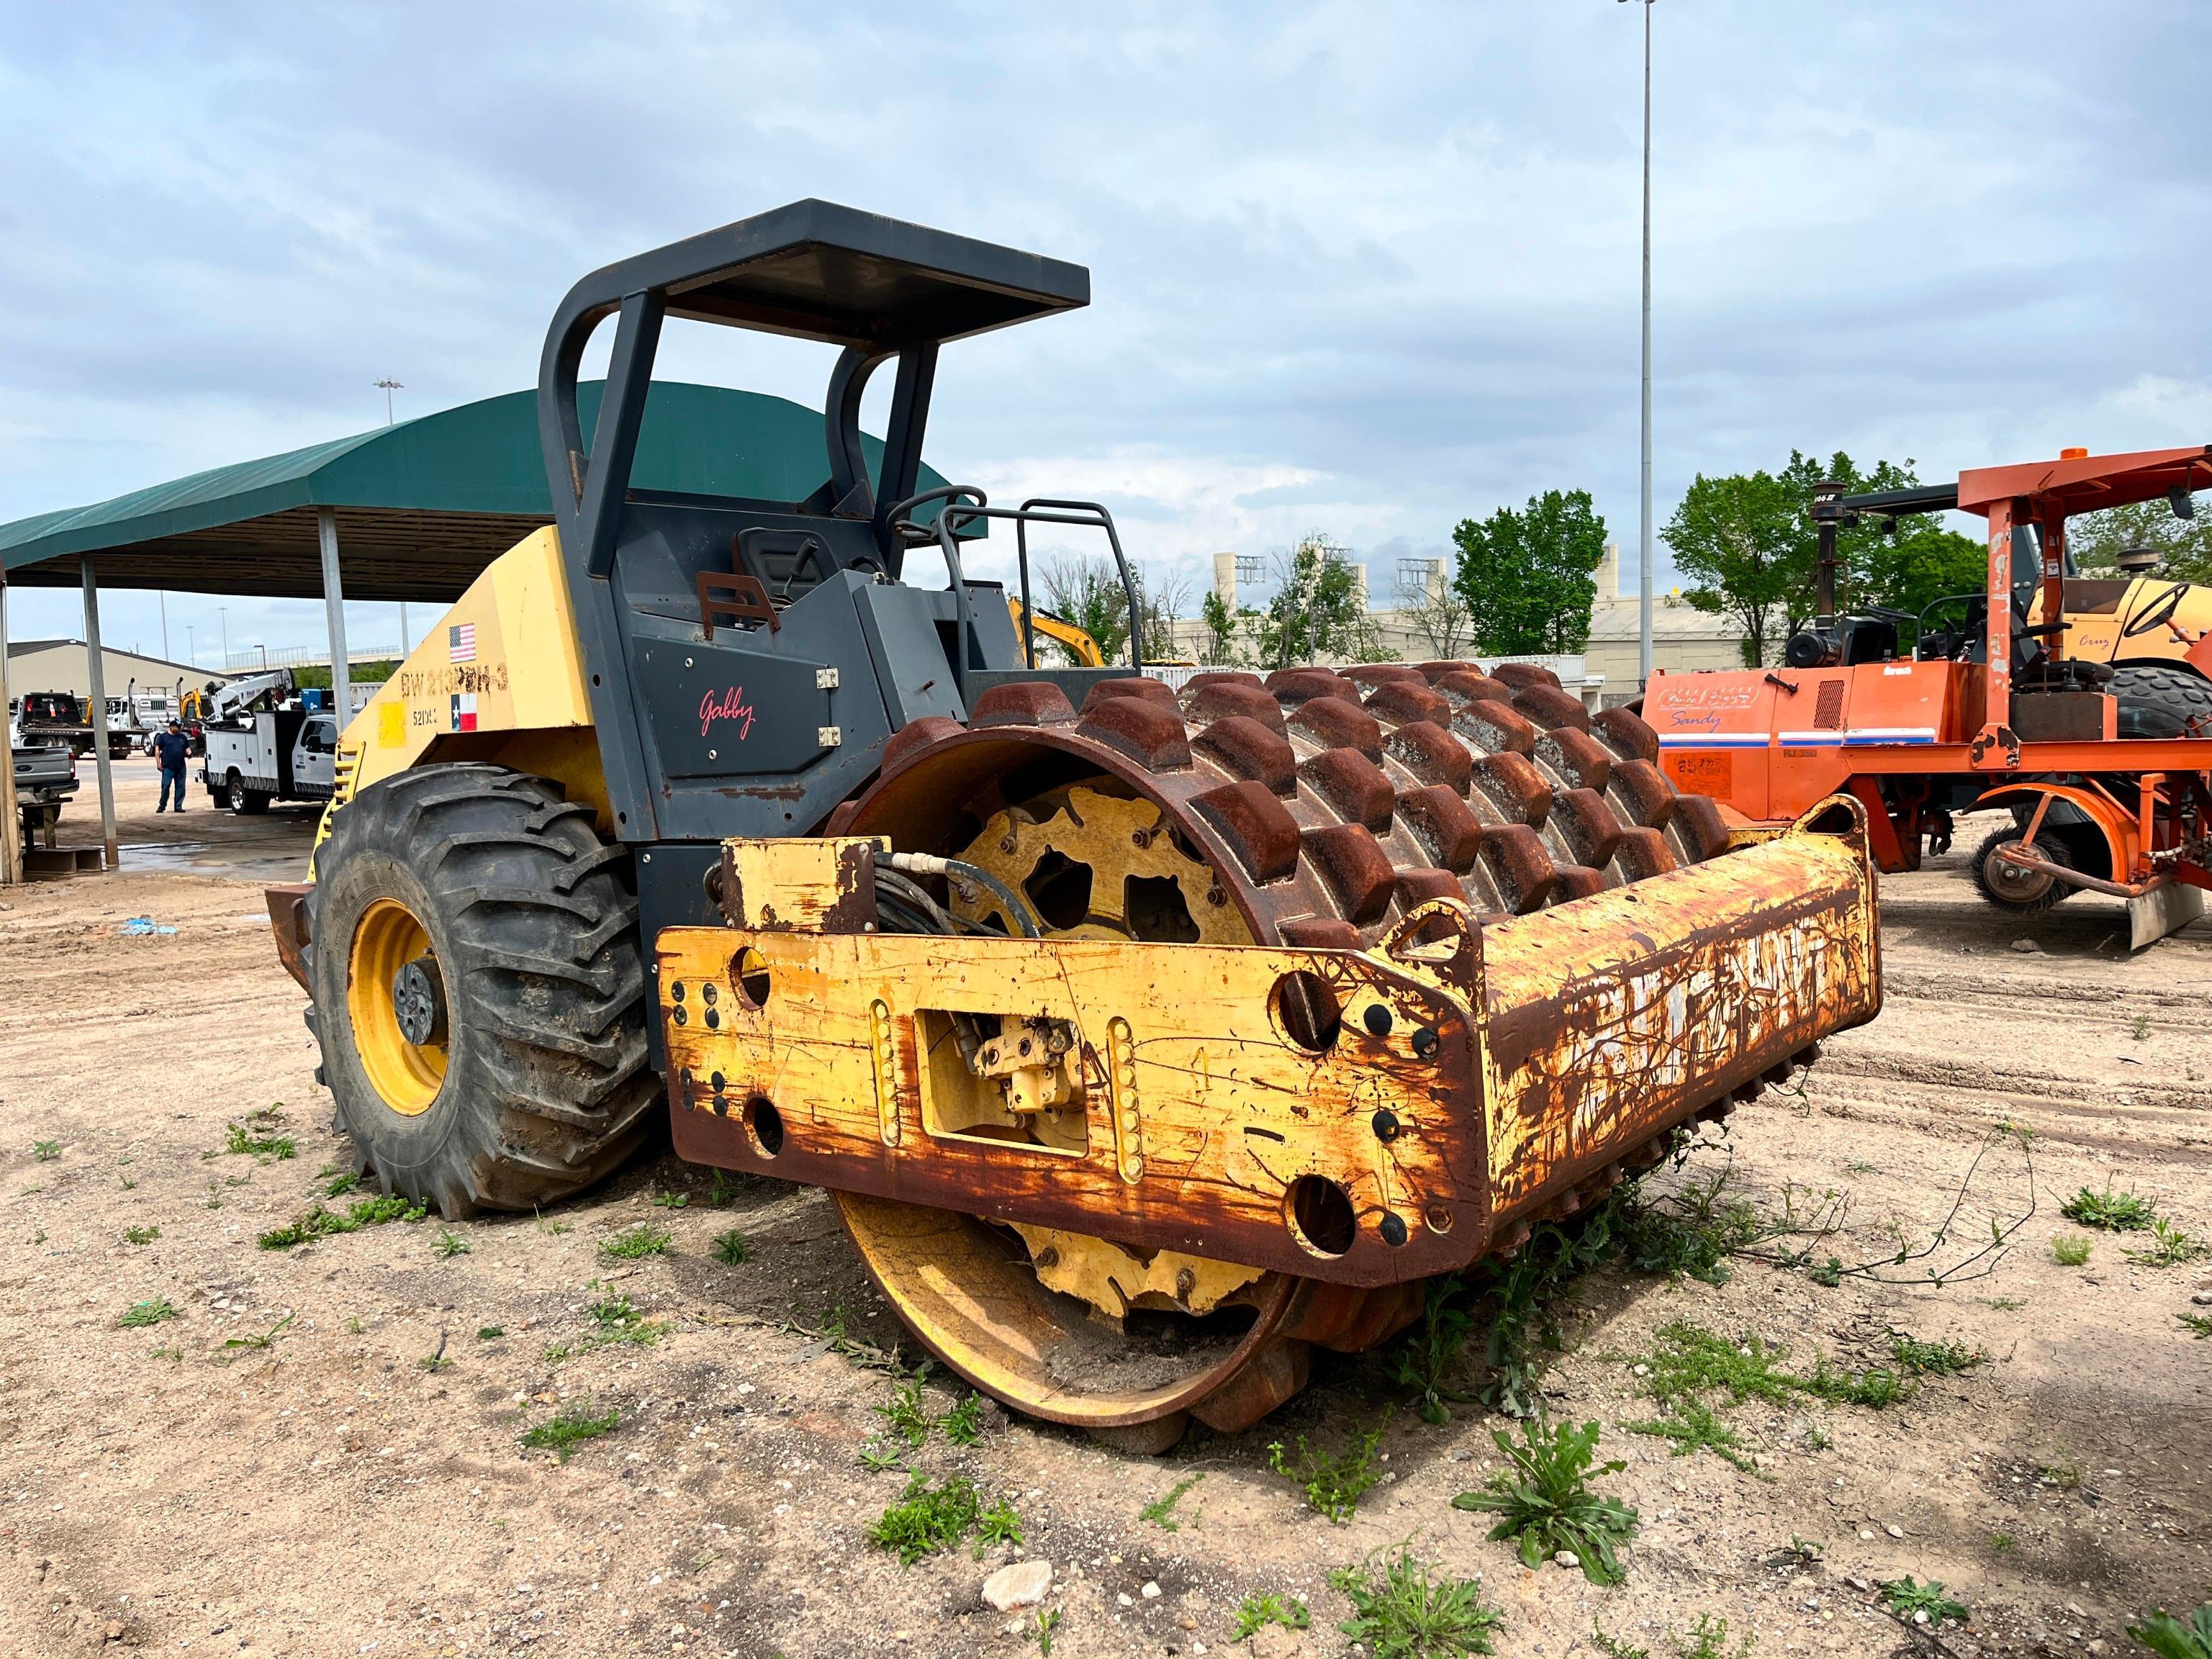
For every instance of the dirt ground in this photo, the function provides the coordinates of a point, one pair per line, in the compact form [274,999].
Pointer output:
[277,1470]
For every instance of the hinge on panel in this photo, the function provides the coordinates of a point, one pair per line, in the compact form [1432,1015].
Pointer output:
[828,737]
[825,679]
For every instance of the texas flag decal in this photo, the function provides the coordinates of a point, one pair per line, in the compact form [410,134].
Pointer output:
[464,711]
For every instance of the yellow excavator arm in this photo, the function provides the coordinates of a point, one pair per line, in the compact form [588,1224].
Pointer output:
[1079,644]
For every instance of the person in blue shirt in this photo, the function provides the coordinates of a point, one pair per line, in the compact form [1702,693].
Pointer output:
[169,748]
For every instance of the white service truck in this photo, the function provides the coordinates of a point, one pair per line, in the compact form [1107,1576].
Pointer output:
[279,754]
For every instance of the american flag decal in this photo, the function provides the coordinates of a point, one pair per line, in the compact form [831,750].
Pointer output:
[461,642]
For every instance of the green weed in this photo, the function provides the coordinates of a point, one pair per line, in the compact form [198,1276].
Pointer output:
[721,1192]
[2003,1303]
[45,1151]
[1693,1360]
[141,1234]
[2063,1473]
[2071,1249]
[1334,1485]
[2003,1542]
[1161,1510]
[671,1200]
[245,1143]
[996,1525]
[1695,1426]
[875,1461]
[732,1248]
[550,1228]
[2169,1637]
[1545,1503]
[260,1338]
[1904,1597]
[1689,1233]
[908,1414]
[2200,1323]
[1933,1358]
[1421,1360]
[319,1223]
[1859,1166]
[1708,1639]
[639,1243]
[128,1184]
[338,1186]
[449,1244]
[1255,1613]
[615,1321]
[1872,1388]
[148,1313]
[2109,1212]
[926,1518]
[1048,1620]
[1408,1611]
[560,1435]
[2169,1247]
[2140,1028]
[964,1424]
[490,1332]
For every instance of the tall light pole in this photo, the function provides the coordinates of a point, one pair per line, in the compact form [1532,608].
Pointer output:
[387,385]
[1644,599]
[222,611]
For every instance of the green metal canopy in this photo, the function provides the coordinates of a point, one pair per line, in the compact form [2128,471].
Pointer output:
[420,508]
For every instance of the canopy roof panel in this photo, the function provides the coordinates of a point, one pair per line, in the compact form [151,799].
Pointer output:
[421,506]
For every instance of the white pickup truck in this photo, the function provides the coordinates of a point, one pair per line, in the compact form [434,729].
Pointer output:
[282,754]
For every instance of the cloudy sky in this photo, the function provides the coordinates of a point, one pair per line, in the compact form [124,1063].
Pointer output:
[1364,268]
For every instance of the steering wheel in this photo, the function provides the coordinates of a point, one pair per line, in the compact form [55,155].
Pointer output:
[1959,637]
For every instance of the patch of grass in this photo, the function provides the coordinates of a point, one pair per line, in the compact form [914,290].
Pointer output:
[1693,1360]
[732,1248]
[2003,1303]
[337,1185]
[721,1192]
[130,1185]
[321,1222]
[2200,1323]
[2169,1247]
[2063,1473]
[2139,1028]
[639,1243]
[490,1332]
[1431,1349]
[2109,1212]
[1872,1388]
[1933,1358]
[1406,1611]
[1695,1427]
[45,1151]
[260,1338]
[2072,1249]
[1545,1503]
[1161,1512]
[148,1313]
[1859,1166]
[926,1518]
[550,1228]
[436,1361]
[1708,1639]
[964,1424]
[615,1321]
[875,1460]
[2169,1637]
[1334,1485]
[2003,1542]
[996,1525]
[908,1414]
[449,1244]
[141,1234]
[245,1143]
[1689,1233]
[671,1201]
[1905,1597]
[1255,1613]
[560,1435]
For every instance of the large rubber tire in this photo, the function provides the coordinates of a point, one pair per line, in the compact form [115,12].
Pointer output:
[242,801]
[2025,892]
[2162,700]
[532,920]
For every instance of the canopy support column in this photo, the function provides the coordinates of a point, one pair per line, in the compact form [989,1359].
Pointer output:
[96,673]
[11,827]
[326,533]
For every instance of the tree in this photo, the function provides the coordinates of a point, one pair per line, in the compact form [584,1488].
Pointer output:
[1162,599]
[1219,646]
[1087,592]
[1317,609]
[1433,606]
[1528,578]
[2183,545]
[1749,544]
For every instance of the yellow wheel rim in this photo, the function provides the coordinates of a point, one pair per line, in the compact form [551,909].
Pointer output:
[406,1075]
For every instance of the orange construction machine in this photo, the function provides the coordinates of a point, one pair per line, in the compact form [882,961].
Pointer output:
[2084,705]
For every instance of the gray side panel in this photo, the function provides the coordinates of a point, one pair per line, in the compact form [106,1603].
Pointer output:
[900,624]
